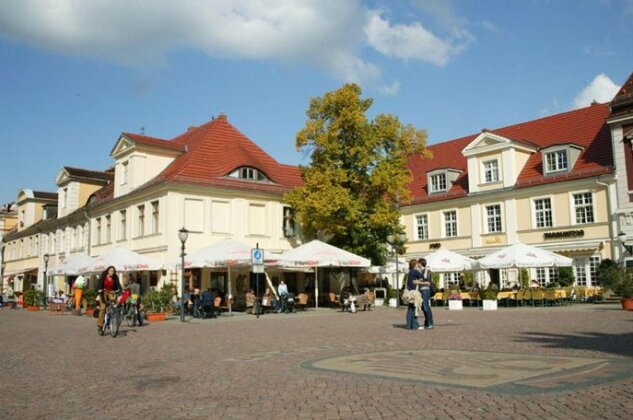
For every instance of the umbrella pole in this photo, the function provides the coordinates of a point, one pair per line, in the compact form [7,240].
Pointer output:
[316,287]
[229,301]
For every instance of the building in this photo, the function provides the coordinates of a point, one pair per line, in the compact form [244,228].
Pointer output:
[212,180]
[547,182]
[621,124]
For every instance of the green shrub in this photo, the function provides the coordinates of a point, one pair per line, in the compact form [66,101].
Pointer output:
[33,297]
[565,276]
[488,294]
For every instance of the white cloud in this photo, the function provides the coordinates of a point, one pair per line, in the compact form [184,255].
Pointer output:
[406,42]
[601,89]
[140,33]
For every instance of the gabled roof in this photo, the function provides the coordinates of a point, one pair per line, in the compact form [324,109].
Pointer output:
[215,149]
[622,103]
[88,174]
[152,141]
[44,195]
[584,127]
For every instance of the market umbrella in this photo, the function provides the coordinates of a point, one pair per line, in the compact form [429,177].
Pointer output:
[71,265]
[319,254]
[443,261]
[524,256]
[123,260]
[224,253]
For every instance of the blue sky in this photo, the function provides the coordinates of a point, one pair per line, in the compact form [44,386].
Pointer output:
[75,74]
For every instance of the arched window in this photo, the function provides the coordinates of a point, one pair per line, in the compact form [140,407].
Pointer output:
[249,173]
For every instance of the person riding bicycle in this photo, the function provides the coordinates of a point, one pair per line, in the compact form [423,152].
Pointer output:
[108,282]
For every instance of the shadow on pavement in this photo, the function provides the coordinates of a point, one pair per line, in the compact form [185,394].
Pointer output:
[620,344]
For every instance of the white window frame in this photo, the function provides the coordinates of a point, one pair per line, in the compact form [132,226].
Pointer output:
[494,172]
[556,167]
[444,221]
[535,210]
[125,172]
[424,226]
[435,187]
[487,216]
[122,225]
[155,206]
[108,228]
[572,206]
[140,220]
[586,270]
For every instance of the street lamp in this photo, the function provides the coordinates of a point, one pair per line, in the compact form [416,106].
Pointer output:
[394,241]
[183,234]
[46,257]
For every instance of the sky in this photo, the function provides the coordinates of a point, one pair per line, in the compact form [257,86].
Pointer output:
[76,74]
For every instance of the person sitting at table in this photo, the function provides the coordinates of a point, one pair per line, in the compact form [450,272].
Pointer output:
[268,300]
[250,300]
[206,303]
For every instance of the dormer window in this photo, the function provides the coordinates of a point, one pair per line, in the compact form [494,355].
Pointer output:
[441,180]
[560,158]
[491,171]
[556,161]
[438,182]
[249,173]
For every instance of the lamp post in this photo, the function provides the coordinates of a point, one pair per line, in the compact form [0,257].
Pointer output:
[394,241]
[46,257]
[183,234]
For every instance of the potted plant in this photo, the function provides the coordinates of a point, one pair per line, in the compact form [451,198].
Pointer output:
[89,301]
[157,302]
[455,300]
[392,295]
[33,299]
[489,299]
[620,280]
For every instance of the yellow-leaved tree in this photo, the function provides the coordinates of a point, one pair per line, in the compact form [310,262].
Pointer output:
[357,174]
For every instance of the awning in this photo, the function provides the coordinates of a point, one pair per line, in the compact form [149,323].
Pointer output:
[574,246]
[30,270]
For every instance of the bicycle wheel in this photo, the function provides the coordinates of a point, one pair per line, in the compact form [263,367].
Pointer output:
[130,317]
[116,322]
[106,322]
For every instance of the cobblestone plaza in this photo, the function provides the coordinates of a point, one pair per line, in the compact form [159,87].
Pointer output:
[560,362]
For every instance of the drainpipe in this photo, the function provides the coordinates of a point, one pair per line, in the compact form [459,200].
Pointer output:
[89,232]
[615,250]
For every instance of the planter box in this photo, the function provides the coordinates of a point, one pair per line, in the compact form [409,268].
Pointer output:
[32,308]
[393,302]
[379,302]
[627,304]
[161,316]
[455,305]
[489,305]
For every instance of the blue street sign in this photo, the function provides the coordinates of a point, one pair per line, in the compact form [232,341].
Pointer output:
[257,256]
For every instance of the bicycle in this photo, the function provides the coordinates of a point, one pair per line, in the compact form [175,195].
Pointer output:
[113,315]
[133,314]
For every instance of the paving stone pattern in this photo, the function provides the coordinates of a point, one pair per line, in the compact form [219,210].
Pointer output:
[323,364]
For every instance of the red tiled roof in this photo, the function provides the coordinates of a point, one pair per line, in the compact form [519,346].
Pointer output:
[622,102]
[215,149]
[90,174]
[153,141]
[584,127]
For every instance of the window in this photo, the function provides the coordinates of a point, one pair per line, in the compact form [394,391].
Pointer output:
[108,229]
[543,212]
[583,207]
[125,172]
[422,226]
[141,220]
[450,224]
[155,215]
[491,171]
[453,279]
[80,237]
[586,271]
[493,218]
[289,223]
[438,182]
[98,231]
[64,198]
[251,174]
[556,161]
[122,224]
[546,276]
